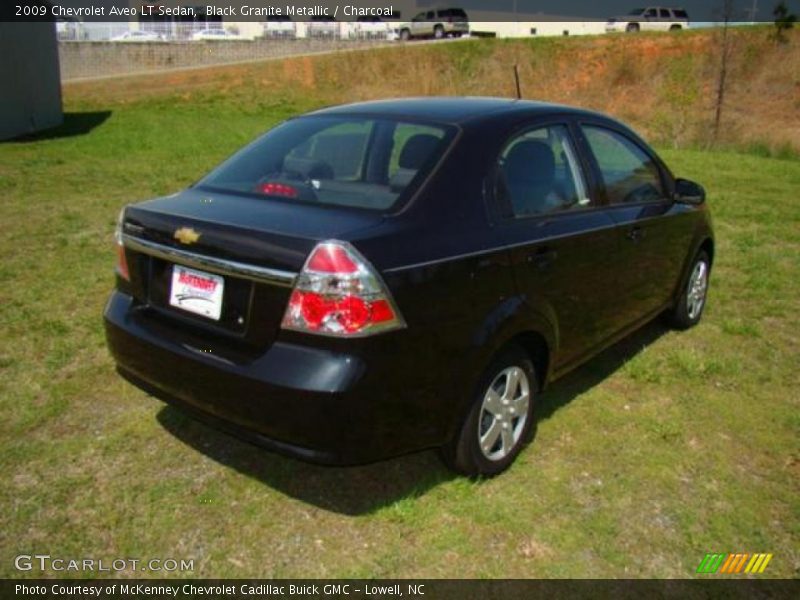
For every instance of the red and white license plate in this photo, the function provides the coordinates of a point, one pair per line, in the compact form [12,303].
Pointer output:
[197,292]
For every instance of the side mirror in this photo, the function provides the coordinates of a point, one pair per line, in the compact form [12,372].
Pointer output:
[688,192]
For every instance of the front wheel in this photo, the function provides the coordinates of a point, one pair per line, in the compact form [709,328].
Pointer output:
[500,420]
[632,27]
[438,32]
[692,301]
[405,35]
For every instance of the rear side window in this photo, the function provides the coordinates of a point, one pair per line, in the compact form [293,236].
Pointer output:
[538,173]
[629,173]
[345,161]
[680,14]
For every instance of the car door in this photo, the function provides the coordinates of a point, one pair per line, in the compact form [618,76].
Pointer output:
[562,241]
[650,22]
[653,232]
[664,19]
[423,24]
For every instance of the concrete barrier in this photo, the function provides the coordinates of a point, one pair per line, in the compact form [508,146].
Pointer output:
[81,60]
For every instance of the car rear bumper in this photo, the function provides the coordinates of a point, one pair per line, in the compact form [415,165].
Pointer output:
[309,403]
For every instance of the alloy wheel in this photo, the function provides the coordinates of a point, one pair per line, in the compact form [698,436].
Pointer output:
[696,290]
[503,413]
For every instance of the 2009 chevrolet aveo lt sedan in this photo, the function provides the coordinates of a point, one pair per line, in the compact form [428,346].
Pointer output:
[373,279]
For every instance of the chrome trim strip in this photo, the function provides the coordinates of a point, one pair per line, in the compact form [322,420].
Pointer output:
[209,263]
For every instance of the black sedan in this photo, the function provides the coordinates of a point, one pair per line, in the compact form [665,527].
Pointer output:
[378,278]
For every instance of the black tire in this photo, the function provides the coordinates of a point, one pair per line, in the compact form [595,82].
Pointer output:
[632,27]
[686,313]
[464,454]
[675,27]
[438,32]
[405,35]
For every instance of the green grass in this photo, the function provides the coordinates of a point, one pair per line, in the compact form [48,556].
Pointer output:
[666,447]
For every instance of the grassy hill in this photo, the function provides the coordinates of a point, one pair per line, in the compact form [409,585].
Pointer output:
[664,85]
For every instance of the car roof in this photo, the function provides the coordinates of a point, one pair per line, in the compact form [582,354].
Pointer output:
[457,110]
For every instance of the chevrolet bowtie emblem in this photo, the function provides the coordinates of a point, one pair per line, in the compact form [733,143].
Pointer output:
[186,235]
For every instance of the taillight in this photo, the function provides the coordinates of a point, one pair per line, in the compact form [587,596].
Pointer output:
[122,261]
[339,293]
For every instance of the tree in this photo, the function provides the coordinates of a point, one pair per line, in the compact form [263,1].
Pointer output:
[784,20]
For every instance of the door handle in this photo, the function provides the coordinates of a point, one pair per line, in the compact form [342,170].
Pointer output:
[542,258]
[635,234]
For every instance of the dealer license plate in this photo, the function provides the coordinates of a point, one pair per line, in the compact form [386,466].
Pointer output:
[197,292]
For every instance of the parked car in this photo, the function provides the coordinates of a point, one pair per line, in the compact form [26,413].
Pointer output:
[216,33]
[654,18]
[377,278]
[280,26]
[322,26]
[438,24]
[137,36]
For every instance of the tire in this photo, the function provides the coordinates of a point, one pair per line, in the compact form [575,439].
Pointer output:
[505,432]
[405,35]
[689,309]
[438,32]
[632,27]
[675,27]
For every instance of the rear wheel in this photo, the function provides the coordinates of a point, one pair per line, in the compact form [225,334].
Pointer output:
[692,301]
[500,420]
[674,27]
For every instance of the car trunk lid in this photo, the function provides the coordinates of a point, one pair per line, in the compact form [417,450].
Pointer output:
[250,247]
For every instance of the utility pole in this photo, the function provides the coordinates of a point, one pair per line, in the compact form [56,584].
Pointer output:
[753,11]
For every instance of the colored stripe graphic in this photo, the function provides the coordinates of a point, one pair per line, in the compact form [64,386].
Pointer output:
[734,563]
[710,563]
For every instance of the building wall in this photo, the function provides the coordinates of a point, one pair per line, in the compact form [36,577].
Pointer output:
[30,87]
[518,29]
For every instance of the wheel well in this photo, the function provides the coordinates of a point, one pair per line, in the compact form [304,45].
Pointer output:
[534,344]
[708,246]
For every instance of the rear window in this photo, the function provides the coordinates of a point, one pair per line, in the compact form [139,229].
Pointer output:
[335,161]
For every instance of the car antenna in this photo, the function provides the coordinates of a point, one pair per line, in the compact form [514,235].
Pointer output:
[516,79]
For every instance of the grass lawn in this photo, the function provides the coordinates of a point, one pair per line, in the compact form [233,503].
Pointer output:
[666,447]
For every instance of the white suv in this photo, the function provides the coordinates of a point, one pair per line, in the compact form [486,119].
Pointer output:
[438,24]
[654,18]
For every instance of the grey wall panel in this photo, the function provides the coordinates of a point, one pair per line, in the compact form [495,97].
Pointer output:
[30,84]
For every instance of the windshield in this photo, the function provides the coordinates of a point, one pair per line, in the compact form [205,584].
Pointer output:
[344,161]
[636,12]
